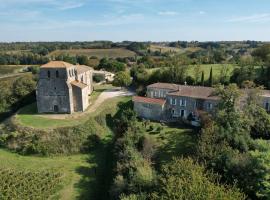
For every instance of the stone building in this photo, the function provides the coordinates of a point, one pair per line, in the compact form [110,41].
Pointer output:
[170,101]
[63,87]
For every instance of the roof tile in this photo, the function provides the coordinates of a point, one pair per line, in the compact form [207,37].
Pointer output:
[149,100]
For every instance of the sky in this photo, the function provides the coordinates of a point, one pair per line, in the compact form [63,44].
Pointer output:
[135,20]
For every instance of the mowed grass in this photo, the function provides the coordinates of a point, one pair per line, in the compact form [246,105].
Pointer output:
[174,140]
[100,53]
[28,116]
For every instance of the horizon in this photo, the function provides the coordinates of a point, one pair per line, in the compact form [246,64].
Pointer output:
[128,20]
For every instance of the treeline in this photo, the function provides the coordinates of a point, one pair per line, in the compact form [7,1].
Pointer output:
[253,69]
[15,93]
[138,178]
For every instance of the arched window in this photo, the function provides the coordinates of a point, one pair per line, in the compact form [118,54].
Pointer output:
[70,73]
[82,79]
[57,74]
[49,74]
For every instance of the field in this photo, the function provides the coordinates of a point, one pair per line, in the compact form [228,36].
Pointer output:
[217,68]
[11,69]
[100,53]
[165,49]
[69,166]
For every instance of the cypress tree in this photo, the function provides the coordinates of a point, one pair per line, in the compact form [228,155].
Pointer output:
[210,81]
[202,79]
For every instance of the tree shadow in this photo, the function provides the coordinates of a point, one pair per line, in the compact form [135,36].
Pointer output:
[96,179]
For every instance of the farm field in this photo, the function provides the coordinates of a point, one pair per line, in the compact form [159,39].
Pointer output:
[70,167]
[165,49]
[11,69]
[217,68]
[100,53]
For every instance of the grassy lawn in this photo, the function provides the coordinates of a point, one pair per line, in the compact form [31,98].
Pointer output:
[173,140]
[100,53]
[98,89]
[28,116]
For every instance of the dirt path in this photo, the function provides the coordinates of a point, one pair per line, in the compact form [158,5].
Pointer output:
[12,75]
[107,94]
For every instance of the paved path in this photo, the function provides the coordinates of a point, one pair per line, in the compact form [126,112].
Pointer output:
[107,94]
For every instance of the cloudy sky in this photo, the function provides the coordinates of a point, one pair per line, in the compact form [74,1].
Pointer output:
[142,20]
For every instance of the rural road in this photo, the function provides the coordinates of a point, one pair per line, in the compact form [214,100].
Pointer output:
[107,94]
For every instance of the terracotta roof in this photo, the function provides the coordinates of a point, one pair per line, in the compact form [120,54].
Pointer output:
[57,64]
[83,68]
[195,92]
[149,100]
[169,86]
[78,84]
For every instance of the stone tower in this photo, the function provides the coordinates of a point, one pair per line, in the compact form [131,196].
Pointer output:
[63,87]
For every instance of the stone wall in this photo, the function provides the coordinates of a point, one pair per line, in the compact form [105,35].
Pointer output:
[53,92]
[177,106]
[149,111]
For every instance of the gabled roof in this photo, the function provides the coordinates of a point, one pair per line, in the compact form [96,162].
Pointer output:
[195,92]
[78,84]
[149,100]
[169,86]
[57,64]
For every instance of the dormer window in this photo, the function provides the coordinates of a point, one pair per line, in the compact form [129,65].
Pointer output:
[57,74]
[49,74]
